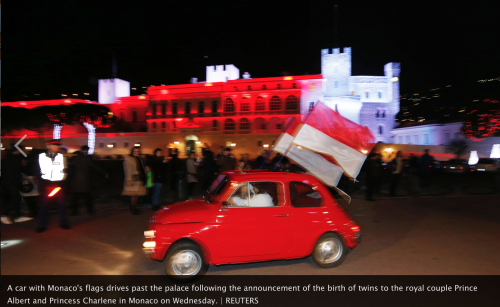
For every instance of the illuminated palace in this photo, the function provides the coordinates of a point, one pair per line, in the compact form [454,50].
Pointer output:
[245,113]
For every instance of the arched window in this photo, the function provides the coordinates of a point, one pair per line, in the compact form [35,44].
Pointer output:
[214,106]
[260,124]
[174,108]
[292,103]
[311,106]
[260,104]
[244,124]
[275,103]
[134,116]
[229,124]
[244,105]
[201,107]
[187,108]
[380,130]
[379,95]
[228,105]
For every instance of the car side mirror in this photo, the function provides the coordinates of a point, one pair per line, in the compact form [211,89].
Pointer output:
[225,204]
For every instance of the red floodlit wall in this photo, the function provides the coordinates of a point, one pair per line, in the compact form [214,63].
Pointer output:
[40,103]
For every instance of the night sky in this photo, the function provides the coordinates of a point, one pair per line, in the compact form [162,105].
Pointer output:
[51,48]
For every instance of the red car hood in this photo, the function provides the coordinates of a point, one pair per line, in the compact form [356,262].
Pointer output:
[191,211]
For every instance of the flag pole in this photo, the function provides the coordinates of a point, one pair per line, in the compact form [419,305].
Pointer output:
[291,143]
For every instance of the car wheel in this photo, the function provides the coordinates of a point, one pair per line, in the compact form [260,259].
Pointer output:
[330,251]
[184,262]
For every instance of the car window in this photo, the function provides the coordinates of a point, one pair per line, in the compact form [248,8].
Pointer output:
[303,195]
[257,194]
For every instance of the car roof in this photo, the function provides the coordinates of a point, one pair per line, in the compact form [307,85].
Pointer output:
[266,175]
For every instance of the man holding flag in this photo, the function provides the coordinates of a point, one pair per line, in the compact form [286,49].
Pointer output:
[327,145]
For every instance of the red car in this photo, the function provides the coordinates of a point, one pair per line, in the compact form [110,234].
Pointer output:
[252,217]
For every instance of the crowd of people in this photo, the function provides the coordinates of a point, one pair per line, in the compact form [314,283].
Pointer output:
[418,169]
[54,176]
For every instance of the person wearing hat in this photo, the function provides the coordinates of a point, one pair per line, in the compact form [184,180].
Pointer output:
[226,162]
[53,167]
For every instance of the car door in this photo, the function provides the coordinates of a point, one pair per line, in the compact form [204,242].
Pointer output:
[255,231]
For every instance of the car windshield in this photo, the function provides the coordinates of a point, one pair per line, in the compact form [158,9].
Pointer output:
[217,185]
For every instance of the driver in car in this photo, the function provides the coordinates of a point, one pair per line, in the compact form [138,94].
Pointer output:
[249,197]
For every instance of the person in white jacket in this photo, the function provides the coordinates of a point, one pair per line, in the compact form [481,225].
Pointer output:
[249,197]
[191,173]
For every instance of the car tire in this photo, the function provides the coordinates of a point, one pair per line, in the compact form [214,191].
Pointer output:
[185,262]
[330,251]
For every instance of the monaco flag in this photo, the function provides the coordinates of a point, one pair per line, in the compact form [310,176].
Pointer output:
[327,144]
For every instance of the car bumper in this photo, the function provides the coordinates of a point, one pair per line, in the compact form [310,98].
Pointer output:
[358,238]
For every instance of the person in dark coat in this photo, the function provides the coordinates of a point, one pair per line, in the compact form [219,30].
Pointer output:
[372,171]
[226,162]
[158,166]
[207,173]
[11,184]
[79,175]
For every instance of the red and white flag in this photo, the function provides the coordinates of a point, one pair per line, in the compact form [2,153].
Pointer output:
[327,144]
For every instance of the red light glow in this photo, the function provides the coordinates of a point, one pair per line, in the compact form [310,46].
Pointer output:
[142,97]
[67,101]
[164,91]
[208,84]
[23,103]
[288,78]
[54,191]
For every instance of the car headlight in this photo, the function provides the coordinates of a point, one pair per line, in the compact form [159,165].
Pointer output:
[149,244]
[149,233]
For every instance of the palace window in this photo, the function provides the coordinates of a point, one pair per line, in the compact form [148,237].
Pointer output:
[154,126]
[244,105]
[279,86]
[214,106]
[174,108]
[244,124]
[164,108]
[201,107]
[187,108]
[260,104]
[229,124]
[214,124]
[292,103]
[264,87]
[275,103]
[380,130]
[249,88]
[228,105]
[336,84]
[311,106]
[379,95]
[367,95]
[163,125]
[134,116]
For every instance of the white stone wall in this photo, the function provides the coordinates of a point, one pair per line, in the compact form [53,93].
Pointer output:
[435,134]
[349,107]
[220,73]
[110,89]
[336,68]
